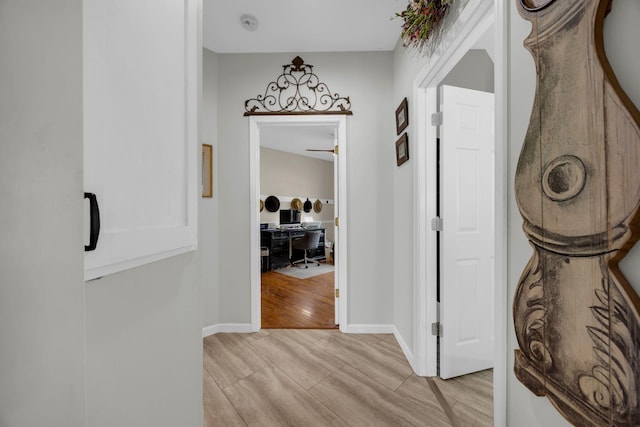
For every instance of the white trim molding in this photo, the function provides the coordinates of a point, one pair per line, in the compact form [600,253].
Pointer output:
[476,18]
[501,321]
[339,122]
[226,328]
[361,328]
[405,349]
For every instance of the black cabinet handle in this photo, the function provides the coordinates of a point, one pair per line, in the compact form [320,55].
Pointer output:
[94,213]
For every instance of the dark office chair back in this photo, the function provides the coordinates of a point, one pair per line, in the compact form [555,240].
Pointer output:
[309,241]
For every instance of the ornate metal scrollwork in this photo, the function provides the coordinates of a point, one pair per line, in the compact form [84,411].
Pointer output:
[297,91]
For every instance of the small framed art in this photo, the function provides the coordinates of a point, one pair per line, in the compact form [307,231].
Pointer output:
[402,116]
[207,172]
[402,149]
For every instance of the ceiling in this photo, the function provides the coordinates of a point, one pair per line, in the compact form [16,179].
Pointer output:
[302,25]
[297,138]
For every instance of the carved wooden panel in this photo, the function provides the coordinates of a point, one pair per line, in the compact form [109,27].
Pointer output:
[578,190]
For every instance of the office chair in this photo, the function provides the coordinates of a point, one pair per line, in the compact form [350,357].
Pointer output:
[308,242]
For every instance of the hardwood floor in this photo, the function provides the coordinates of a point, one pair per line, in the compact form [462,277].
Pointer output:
[291,303]
[307,377]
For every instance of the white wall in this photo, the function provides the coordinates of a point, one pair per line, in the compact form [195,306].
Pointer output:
[620,27]
[292,175]
[209,207]
[144,346]
[366,78]
[525,409]
[289,174]
[143,328]
[473,71]
[406,68]
[41,217]
[124,350]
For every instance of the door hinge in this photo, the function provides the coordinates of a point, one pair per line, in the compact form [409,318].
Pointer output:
[436,329]
[335,150]
[436,119]
[337,293]
[337,222]
[436,224]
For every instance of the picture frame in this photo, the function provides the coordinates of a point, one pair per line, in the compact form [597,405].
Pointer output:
[402,149]
[402,116]
[207,170]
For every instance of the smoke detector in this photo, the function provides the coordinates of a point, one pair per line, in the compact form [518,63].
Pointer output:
[249,22]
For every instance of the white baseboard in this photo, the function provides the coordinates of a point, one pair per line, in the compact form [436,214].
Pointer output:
[226,327]
[369,329]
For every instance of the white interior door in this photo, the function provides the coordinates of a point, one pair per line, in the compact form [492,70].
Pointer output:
[467,239]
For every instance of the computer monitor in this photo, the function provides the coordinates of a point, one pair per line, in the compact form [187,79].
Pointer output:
[289,216]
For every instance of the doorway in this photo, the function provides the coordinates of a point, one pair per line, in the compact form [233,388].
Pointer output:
[483,22]
[258,127]
[297,167]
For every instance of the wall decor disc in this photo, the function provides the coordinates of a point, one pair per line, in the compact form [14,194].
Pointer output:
[317,206]
[296,204]
[272,203]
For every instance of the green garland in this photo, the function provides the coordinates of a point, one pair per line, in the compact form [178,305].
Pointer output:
[421,18]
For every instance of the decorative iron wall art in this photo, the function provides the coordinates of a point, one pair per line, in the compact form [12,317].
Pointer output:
[297,91]
[578,190]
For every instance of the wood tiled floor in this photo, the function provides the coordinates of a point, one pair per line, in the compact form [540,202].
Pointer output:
[288,302]
[309,377]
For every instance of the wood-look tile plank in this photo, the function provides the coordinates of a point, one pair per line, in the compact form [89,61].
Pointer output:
[467,416]
[361,401]
[265,394]
[314,335]
[474,391]
[252,336]
[270,398]
[372,338]
[297,357]
[218,411]
[418,390]
[392,345]
[229,357]
[372,359]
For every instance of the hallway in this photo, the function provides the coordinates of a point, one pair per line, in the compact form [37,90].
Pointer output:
[323,377]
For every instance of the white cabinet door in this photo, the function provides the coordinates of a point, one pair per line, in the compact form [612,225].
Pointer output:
[467,240]
[140,129]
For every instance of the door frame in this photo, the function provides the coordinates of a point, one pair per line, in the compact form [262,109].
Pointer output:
[476,17]
[339,123]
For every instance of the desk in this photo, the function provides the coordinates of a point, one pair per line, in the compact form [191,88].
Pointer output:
[278,242]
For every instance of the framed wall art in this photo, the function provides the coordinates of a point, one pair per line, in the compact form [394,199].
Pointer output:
[402,116]
[207,172]
[402,149]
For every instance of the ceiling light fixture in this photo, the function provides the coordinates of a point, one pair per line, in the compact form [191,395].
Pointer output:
[249,22]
